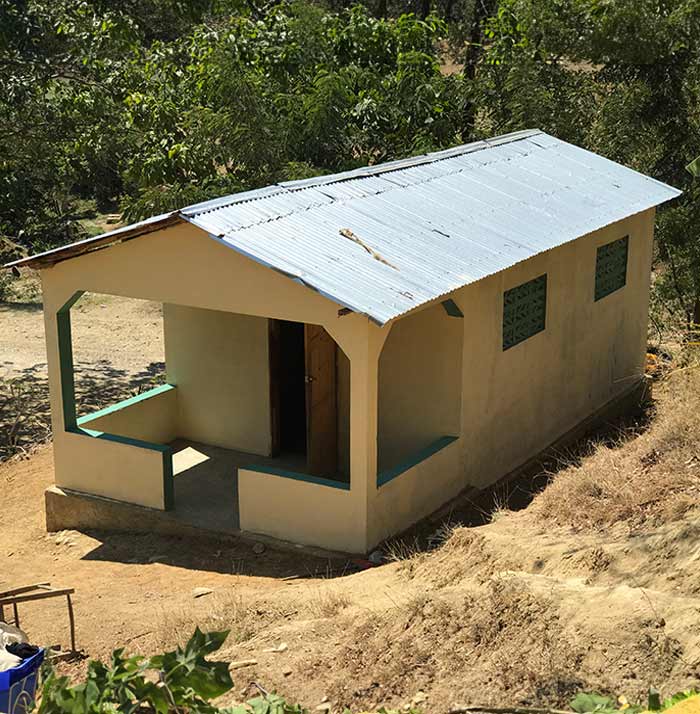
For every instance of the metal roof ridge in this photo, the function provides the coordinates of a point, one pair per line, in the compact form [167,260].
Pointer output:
[361,172]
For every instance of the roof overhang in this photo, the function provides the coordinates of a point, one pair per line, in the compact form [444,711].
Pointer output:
[120,235]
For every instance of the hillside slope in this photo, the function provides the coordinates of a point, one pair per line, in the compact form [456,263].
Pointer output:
[594,586]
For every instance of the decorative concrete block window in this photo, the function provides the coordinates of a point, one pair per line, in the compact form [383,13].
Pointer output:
[611,267]
[524,311]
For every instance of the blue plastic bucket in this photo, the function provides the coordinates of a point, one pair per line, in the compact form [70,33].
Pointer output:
[18,685]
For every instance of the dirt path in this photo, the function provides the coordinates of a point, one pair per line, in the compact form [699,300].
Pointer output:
[127,586]
[124,333]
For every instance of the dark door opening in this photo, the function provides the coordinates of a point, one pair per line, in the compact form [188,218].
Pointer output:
[291,387]
[303,395]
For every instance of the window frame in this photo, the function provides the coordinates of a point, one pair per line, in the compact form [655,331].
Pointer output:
[521,294]
[603,284]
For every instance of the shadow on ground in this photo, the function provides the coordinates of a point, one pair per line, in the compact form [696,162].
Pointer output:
[229,555]
[21,306]
[25,417]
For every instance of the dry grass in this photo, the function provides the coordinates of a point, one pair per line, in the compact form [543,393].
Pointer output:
[501,643]
[247,619]
[500,508]
[653,476]
[325,603]
[221,612]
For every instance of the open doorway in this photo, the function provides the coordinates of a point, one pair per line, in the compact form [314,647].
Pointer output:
[292,388]
[304,396]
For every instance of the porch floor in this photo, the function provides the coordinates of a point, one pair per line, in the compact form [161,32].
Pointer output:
[206,482]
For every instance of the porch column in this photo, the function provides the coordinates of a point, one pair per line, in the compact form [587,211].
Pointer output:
[362,342]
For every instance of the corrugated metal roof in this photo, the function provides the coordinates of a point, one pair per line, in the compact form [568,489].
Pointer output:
[383,240]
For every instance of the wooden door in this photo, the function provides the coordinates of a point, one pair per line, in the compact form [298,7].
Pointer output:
[321,406]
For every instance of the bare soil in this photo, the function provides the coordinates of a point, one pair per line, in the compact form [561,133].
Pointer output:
[118,352]
[593,586]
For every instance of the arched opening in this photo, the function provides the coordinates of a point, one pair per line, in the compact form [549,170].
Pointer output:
[420,388]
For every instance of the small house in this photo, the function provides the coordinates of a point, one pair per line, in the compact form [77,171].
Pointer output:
[345,354]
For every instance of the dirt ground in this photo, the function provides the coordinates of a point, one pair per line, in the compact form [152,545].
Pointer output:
[513,612]
[593,586]
[118,352]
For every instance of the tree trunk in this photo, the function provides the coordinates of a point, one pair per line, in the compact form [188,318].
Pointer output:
[483,9]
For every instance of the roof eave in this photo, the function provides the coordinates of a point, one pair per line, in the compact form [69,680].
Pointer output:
[73,250]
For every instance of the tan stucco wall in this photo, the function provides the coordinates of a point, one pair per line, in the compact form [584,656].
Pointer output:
[517,402]
[343,386]
[110,469]
[416,493]
[514,404]
[152,419]
[420,379]
[315,514]
[219,362]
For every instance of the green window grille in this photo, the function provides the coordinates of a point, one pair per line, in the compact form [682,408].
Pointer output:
[611,267]
[524,311]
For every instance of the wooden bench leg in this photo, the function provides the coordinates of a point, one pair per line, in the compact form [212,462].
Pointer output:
[71,620]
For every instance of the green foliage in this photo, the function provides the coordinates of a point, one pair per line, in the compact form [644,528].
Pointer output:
[165,103]
[594,703]
[156,104]
[590,702]
[185,680]
[572,68]
[179,681]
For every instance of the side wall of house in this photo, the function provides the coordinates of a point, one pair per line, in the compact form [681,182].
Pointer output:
[518,401]
[219,362]
[514,403]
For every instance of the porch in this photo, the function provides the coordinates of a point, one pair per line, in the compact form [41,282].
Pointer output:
[319,434]
[206,482]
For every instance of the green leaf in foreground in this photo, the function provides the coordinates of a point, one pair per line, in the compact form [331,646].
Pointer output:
[586,702]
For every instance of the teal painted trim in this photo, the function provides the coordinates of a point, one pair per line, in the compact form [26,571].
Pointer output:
[318,480]
[438,445]
[126,403]
[65,361]
[168,480]
[452,309]
[127,440]
[72,424]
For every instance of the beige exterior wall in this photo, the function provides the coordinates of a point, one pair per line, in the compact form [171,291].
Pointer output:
[343,374]
[294,504]
[420,384]
[219,362]
[153,418]
[517,402]
[514,404]
[416,493]
[109,469]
